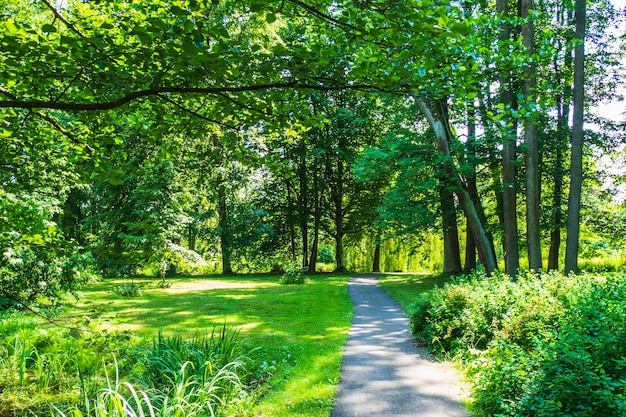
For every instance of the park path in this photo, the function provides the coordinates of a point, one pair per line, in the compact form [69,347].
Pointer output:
[384,373]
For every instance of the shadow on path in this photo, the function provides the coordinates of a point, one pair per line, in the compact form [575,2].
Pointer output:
[383,372]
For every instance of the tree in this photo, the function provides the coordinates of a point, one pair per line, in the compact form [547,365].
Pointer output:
[576,166]
[531,139]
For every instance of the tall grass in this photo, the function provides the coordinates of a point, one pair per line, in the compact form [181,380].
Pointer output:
[170,376]
[186,395]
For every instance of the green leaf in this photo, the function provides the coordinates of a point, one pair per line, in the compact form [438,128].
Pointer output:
[270,17]
[460,28]
[177,11]
[189,47]
[48,28]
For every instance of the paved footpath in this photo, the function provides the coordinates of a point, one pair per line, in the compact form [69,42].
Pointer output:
[383,373]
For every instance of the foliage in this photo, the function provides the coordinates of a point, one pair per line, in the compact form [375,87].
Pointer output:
[42,366]
[137,218]
[543,345]
[205,355]
[129,290]
[294,274]
[89,373]
[211,396]
[185,261]
[29,274]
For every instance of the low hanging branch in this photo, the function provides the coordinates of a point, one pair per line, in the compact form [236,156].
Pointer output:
[110,105]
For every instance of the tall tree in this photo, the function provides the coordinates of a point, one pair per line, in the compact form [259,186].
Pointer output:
[562,70]
[576,165]
[531,140]
[442,131]
[509,152]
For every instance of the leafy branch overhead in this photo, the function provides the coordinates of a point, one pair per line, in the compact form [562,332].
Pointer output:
[100,56]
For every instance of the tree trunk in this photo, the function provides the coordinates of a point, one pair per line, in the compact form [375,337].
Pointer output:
[376,261]
[316,223]
[470,251]
[509,158]
[338,218]
[562,132]
[290,221]
[224,230]
[557,219]
[533,236]
[303,203]
[576,166]
[191,236]
[470,246]
[442,133]
[451,249]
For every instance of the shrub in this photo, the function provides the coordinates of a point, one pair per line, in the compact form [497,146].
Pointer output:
[129,290]
[28,275]
[540,346]
[43,366]
[294,274]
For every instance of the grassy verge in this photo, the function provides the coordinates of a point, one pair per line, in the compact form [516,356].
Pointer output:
[298,330]
[405,288]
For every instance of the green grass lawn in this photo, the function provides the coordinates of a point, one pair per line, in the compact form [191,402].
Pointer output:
[299,329]
[404,288]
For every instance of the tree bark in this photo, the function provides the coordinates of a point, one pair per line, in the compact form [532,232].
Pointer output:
[576,166]
[470,250]
[376,261]
[338,218]
[531,139]
[290,221]
[562,132]
[509,158]
[316,223]
[303,203]
[442,132]
[224,230]
[192,235]
[451,248]
[470,246]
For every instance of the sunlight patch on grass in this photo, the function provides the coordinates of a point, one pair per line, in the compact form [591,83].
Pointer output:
[405,288]
[299,330]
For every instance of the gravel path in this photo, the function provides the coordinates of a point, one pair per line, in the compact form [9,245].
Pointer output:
[383,372]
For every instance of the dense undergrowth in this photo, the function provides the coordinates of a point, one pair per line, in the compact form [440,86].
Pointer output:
[58,371]
[543,346]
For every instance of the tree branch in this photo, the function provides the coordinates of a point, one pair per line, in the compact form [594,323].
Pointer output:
[51,121]
[62,19]
[321,15]
[196,114]
[110,105]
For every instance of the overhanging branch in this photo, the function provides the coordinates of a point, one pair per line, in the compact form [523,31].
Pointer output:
[110,105]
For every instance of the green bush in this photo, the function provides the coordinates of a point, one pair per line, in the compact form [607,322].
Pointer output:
[545,345]
[28,275]
[129,290]
[39,367]
[294,274]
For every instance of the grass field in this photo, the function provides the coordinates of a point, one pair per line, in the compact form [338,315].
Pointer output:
[299,329]
[404,288]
